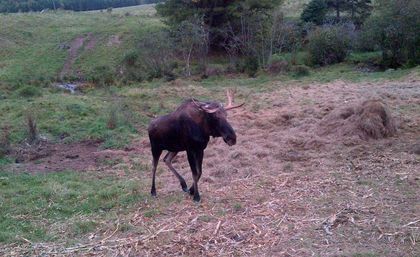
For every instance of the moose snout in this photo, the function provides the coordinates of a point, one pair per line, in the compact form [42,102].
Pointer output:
[230,140]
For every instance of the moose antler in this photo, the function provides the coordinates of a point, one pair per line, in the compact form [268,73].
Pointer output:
[230,94]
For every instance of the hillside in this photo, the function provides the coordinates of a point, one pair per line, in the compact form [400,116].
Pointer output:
[44,47]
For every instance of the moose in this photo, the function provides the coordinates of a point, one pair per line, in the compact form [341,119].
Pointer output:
[189,128]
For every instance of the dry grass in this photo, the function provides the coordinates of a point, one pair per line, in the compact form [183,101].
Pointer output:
[284,189]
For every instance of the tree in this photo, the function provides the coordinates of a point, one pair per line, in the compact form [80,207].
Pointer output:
[216,14]
[355,10]
[359,10]
[192,39]
[338,6]
[395,27]
[315,12]
[76,5]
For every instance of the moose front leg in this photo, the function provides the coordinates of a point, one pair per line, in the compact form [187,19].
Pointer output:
[195,159]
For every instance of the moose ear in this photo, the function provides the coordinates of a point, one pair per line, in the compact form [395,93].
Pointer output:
[206,107]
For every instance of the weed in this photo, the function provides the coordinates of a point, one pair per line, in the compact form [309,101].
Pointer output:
[83,227]
[237,207]
[32,131]
[151,213]
[5,147]
[29,91]
[112,119]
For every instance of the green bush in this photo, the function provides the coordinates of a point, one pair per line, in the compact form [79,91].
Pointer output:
[29,91]
[371,58]
[102,76]
[131,58]
[300,70]
[328,45]
[251,66]
[395,28]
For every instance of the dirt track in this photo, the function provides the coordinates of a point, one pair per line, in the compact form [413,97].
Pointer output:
[286,188]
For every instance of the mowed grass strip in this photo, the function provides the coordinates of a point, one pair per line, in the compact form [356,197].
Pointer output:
[47,207]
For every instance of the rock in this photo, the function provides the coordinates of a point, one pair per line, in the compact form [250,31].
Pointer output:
[70,87]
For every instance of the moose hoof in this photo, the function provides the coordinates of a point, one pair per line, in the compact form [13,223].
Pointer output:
[153,193]
[197,199]
[184,187]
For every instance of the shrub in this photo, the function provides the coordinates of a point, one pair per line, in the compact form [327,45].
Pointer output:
[328,45]
[156,55]
[251,66]
[29,91]
[102,76]
[300,70]
[130,59]
[395,28]
[278,64]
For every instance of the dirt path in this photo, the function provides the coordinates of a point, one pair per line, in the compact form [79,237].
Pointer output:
[76,45]
[286,189]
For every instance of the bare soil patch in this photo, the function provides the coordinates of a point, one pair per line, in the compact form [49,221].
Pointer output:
[114,40]
[74,49]
[287,188]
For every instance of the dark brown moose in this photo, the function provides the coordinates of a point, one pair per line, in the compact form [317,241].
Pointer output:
[189,128]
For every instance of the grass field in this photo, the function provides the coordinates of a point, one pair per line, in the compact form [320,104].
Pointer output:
[283,189]
[33,46]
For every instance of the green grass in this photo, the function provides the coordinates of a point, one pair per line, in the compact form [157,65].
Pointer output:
[363,57]
[32,205]
[30,43]
[72,117]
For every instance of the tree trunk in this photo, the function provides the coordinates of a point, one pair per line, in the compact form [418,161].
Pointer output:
[338,9]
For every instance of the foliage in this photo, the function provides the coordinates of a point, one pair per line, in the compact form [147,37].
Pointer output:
[355,11]
[75,5]
[395,28]
[102,75]
[29,91]
[191,39]
[216,14]
[156,55]
[300,70]
[315,12]
[328,45]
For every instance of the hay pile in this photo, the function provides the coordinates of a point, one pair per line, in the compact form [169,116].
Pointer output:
[371,119]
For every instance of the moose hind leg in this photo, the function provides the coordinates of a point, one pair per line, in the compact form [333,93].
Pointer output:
[156,155]
[168,160]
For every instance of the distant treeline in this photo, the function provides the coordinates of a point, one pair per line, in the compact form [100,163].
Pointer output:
[75,5]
